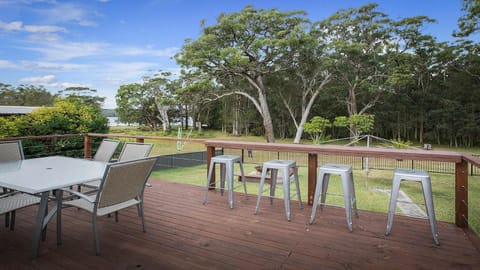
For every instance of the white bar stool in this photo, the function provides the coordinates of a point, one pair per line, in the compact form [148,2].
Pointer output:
[345,172]
[419,176]
[285,166]
[226,172]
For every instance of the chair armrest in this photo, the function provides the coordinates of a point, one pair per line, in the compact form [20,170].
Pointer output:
[79,194]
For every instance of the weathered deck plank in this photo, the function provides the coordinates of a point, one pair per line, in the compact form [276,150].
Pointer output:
[182,233]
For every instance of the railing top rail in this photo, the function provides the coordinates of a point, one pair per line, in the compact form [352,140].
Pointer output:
[145,137]
[471,159]
[40,137]
[434,155]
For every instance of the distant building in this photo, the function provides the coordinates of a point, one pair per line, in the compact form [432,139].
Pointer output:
[16,110]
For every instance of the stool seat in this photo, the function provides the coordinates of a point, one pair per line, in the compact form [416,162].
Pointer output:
[226,163]
[345,172]
[284,166]
[423,177]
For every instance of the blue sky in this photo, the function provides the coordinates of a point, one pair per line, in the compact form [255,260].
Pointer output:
[103,44]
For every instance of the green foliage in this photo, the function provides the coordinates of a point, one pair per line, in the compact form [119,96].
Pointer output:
[361,123]
[316,128]
[65,117]
[25,95]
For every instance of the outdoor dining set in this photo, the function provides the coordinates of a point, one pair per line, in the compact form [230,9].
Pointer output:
[103,187]
[272,167]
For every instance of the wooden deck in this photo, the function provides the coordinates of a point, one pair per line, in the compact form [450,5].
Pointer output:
[182,233]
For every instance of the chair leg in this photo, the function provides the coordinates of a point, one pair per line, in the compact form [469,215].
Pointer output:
[273,184]
[348,203]
[95,235]
[12,220]
[393,203]
[286,192]
[210,172]
[243,180]
[229,175]
[297,186]
[427,194]
[326,179]
[260,189]
[140,213]
[318,189]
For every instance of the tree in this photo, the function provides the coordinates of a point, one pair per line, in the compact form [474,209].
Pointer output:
[82,96]
[136,105]
[468,24]
[360,123]
[251,45]
[312,68]
[162,89]
[25,95]
[316,128]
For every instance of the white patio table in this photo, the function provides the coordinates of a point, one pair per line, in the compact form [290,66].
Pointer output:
[40,176]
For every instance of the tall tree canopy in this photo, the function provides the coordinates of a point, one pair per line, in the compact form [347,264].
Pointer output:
[249,44]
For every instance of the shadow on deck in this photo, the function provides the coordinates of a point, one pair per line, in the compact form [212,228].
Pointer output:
[182,233]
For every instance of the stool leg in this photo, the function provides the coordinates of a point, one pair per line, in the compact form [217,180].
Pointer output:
[243,180]
[260,190]
[297,185]
[393,203]
[318,189]
[353,196]
[427,194]
[273,183]
[222,178]
[210,171]
[347,199]
[229,168]
[326,179]
[286,191]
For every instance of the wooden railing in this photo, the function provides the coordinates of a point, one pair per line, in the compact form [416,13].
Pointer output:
[461,161]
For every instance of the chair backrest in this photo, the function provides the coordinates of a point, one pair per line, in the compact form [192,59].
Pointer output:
[124,181]
[11,151]
[131,151]
[106,150]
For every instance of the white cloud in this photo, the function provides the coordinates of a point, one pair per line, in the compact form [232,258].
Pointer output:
[67,12]
[43,80]
[6,64]
[49,81]
[68,50]
[19,26]
[54,66]
[132,51]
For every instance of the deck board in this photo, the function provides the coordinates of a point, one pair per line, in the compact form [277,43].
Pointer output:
[182,233]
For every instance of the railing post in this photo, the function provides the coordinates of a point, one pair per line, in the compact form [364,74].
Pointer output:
[312,176]
[461,194]
[87,146]
[139,140]
[210,154]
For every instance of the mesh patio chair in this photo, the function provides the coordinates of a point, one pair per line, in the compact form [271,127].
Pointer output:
[106,150]
[10,201]
[130,151]
[122,186]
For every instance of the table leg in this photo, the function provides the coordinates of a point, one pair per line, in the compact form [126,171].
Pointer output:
[59,197]
[37,232]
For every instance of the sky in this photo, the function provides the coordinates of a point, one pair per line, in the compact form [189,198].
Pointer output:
[103,44]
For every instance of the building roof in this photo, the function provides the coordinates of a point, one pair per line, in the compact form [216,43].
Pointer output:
[9,110]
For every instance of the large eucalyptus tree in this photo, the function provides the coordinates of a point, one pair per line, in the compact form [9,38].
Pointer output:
[249,44]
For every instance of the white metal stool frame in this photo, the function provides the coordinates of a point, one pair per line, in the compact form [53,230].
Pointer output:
[226,163]
[345,172]
[285,166]
[413,175]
